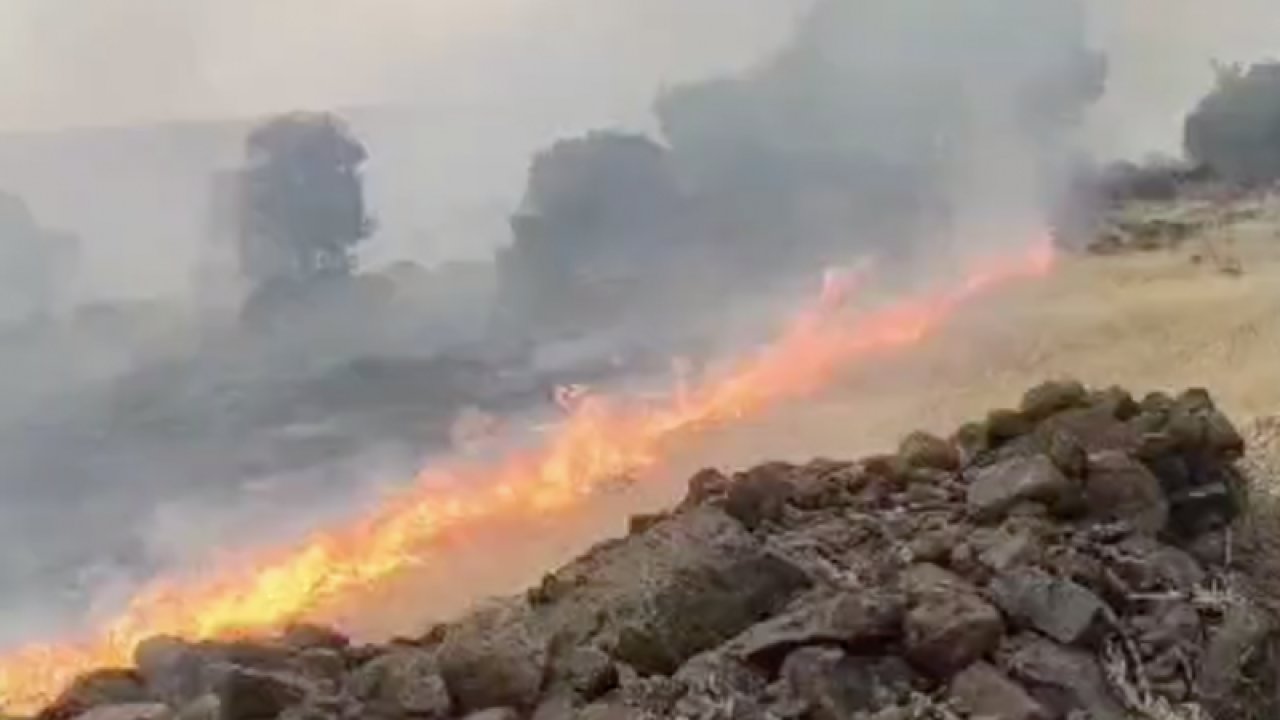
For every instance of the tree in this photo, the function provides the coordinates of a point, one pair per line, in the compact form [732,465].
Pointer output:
[35,262]
[1235,129]
[302,199]
[597,219]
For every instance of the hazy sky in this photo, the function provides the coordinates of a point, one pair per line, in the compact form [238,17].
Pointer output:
[88,62]
[78,62]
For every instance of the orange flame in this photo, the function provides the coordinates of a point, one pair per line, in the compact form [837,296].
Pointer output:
[600,441]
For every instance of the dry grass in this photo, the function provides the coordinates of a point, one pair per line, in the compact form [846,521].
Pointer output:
[1147,321]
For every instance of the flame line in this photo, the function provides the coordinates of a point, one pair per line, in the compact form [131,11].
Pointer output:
[601,440]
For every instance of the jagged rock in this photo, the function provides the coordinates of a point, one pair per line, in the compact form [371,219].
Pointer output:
[97,689]
[1051,397]
[1115,401]
[205,707]
[403,682]
[1222,438]
[817,591]
[495,714]
[256,695]
[985,692]
[760,494]
[324,668]
[302,636]
[1119,488]
[994,490]
[858,620]
[494,657]
[833,685]
[1095,429]
[1061,609]
[558,705]
[1063,680]
[1005,425]
[1150,566]
[1007,550]
[1237,675]
[823,484]
[922,450]
[130,711]
[706,485]
[589,672]
[948,625]
[705,580]
[1196,511]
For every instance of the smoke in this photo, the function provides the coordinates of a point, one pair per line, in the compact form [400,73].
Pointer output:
[116,114]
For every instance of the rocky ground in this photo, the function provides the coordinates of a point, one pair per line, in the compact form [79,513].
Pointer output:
[1078,557]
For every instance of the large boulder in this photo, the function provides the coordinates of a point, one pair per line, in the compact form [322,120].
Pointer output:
[985,692]
[1061,609]
[98,689]
[948,624]
[404,682]
[996,489]
[659,598]
[858,620]
[1064,680]
[1120,488]
[495,657]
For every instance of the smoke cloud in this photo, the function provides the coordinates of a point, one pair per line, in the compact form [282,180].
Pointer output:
[115,115]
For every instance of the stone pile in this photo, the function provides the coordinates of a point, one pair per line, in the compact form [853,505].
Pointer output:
[1071,558]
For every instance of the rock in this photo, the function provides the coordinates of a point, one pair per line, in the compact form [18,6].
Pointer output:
[1051,397]
[97,689]
[303,636]
[704,486]
[611,711]
[1062,680]
[922,450]
[718,677]
[1095,429]
[1061,609]
[995,489]
[325,669]
[859,620]
[172,669]
[832,685]
[638,524]
[1222,438]
[1196,511]
[556,706]
[1119,488]
[1005,425]
[405,681]
[495,714]
[494,658]
[205,707]
[1149,565]
[760,494]
[706,579]
[130,711]
[1238,670]
[970,441]
[1009,550]
[985,692]
[256,695]
[590,672]
[1115,401]
[948,624]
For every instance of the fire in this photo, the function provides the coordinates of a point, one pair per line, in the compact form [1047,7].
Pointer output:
[599,442]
